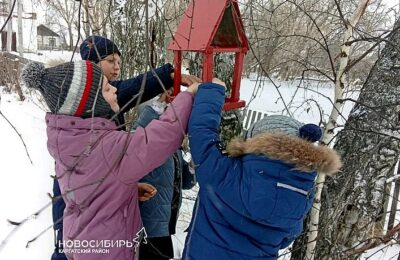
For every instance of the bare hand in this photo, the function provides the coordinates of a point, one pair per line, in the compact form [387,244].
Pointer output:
[187,80]
[167,94]
[146,191]
[193,88]
[219,82]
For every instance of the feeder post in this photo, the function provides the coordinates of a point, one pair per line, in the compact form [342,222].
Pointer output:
[177,71]
[237,76]
[208,63]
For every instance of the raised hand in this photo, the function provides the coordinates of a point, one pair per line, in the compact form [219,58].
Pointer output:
[166,95]
[193,88]
[187,80]
[219,82]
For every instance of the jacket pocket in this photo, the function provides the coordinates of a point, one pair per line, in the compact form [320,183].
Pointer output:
[260,199]
[291,204]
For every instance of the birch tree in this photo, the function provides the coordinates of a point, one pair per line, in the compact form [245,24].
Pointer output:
[370,147]
[329,130]
[97,16]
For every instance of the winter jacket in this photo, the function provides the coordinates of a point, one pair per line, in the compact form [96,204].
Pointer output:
[185,179]
[58,207]
[156,212]
[251,205]
[98,169]
[126,89]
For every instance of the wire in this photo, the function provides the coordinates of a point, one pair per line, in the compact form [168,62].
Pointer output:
[9,16]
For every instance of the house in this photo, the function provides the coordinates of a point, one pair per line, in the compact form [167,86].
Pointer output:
[48,39]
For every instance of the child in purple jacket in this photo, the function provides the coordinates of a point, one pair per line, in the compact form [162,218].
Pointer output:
[98,167]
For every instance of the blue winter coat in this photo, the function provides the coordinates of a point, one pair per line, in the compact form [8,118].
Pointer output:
[156,212]
[253,204]
[126,90]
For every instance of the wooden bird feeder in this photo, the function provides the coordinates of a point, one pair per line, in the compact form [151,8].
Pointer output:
[209,27]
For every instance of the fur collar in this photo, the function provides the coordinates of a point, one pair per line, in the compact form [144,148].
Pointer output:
[305,156]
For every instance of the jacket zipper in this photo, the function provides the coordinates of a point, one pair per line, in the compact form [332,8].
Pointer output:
[191,229]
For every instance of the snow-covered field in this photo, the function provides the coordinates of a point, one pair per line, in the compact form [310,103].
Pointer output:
[52,56]
[24,186]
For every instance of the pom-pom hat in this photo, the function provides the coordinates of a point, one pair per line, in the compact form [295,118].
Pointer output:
[287,140]
[285,125]
[70,89]
[95,48]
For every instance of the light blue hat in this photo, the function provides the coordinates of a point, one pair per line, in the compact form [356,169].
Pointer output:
[285,125]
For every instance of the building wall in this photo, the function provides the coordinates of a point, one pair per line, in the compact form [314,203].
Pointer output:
[48,42]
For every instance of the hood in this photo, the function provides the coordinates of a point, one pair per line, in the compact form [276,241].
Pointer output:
[305,156]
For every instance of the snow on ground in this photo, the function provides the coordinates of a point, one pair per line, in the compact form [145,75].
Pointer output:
[24,187]
[383,252]
[305,103]
[49,56]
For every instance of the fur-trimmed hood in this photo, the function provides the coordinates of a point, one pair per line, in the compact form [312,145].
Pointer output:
[305,156]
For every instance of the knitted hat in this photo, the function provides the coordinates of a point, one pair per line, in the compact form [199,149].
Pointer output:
[70,88]
[103,45]
[285,125]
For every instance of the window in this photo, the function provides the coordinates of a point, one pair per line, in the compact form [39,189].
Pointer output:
[52,42]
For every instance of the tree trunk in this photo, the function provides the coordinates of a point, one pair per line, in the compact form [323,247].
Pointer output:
[370,146]
[395,201]
[20,31]
[71,38]
[9,29]
[340,83]
[85,20]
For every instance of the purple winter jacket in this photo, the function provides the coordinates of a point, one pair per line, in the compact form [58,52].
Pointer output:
[101,167]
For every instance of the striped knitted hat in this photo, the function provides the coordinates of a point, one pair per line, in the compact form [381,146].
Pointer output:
[285,125]
[70,88]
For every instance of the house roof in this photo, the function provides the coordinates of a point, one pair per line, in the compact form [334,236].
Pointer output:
[45,31]
[210,23]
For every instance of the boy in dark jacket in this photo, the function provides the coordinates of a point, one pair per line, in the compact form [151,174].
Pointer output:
[106,54]
[252,202]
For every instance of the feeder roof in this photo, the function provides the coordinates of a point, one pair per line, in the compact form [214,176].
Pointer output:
[210,24]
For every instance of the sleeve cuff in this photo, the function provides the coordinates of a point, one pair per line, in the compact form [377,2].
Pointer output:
[158,106]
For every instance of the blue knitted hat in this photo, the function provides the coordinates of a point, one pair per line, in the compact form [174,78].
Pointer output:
[285,125]
[103,45]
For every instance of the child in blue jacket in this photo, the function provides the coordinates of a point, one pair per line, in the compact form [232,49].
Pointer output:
[160,213]
[252,201]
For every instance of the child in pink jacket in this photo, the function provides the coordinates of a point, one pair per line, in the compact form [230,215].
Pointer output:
[98,167]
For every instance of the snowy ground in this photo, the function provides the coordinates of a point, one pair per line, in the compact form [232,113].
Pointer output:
[24,186]
[52,56]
